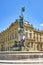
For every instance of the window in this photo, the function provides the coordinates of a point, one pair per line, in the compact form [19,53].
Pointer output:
[34,36]
[26,34]
[40,37]
[6,39]
[30,35]
[16,34]
[37,37]
[32,45]
[28,45]
[12,36]
[30,30]
[40,46]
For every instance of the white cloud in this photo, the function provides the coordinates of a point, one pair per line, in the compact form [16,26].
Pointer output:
[41,24]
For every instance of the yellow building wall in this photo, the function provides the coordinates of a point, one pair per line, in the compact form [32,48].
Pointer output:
[9,36]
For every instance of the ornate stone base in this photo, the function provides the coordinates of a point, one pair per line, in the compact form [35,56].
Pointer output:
[20,55]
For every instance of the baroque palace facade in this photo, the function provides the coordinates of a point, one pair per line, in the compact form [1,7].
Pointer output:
[33,37]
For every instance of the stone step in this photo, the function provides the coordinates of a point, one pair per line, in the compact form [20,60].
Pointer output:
[25,61]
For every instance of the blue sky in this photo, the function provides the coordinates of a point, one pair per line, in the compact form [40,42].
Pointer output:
[11,9]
